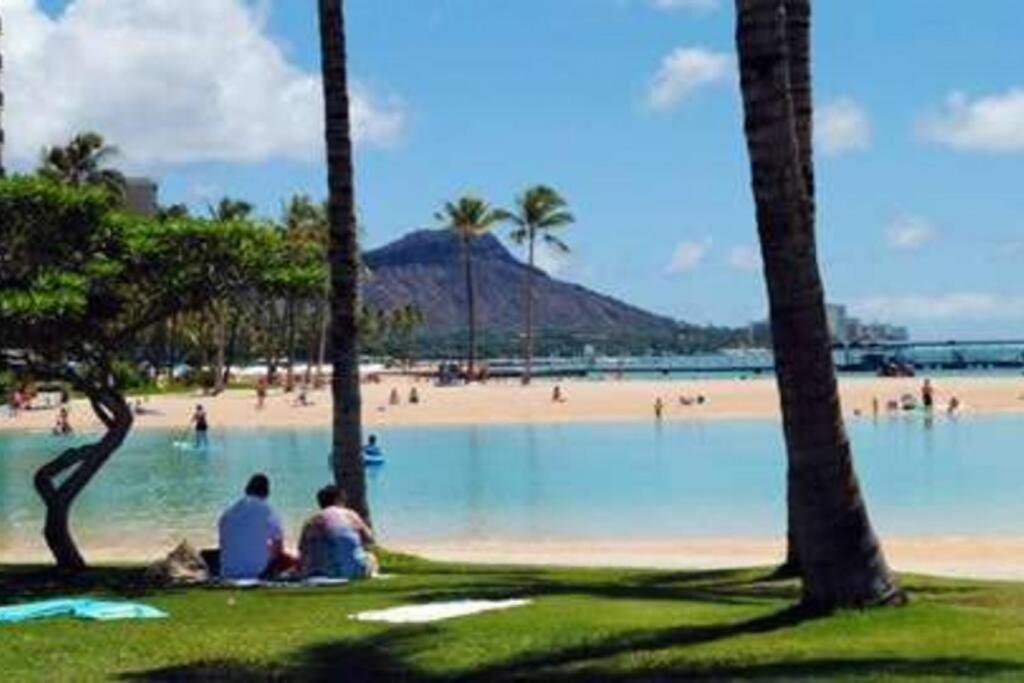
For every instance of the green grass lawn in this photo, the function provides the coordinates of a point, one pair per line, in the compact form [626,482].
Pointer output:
[583,625]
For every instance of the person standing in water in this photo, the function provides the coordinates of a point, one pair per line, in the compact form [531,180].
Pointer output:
[927,395]
[261,392]
[202,427]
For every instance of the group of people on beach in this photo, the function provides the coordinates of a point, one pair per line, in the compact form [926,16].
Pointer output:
[908,402]
[332,544]
[394,399]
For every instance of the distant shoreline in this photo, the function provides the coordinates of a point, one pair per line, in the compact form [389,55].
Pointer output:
[586,401]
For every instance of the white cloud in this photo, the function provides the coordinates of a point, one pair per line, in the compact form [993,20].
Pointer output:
[692,5]
[684,71]
[168,85]
[986,124]
[908,232]
[688,255]
[842,125]
[551,262]
[744,258]
[955,305]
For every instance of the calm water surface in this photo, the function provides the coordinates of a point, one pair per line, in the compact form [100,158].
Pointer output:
[549,481]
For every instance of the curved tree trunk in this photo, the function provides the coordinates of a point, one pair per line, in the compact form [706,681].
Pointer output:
[528,293]
[74,469]
[343,254]
[841,560]
[467,258]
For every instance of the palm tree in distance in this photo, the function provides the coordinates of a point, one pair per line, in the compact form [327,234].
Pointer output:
[840,559]
[226,317]
[83,162]
[539,212]
[228,209]
[344,260]
[469,217]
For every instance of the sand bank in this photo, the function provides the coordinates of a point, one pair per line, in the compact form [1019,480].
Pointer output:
[508,402]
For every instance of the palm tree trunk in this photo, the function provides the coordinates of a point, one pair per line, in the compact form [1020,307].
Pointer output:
[343,255]
[841,560]
[467,258]
[219,374]
[59,481]
[798,44]
[322,350]
[528,287]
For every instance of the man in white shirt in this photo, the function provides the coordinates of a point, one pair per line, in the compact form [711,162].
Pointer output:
[251,535]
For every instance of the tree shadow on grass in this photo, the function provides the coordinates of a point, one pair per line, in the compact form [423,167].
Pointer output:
[391,657]
[19,583]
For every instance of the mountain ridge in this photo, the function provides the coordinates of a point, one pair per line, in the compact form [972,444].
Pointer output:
[425,268]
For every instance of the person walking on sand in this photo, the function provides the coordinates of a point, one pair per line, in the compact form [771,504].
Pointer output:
[659,407]
[927,395]
[414,396]
[394,399]
[556,394]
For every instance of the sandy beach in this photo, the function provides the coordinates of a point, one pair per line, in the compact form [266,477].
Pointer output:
[509,403]
[585,401]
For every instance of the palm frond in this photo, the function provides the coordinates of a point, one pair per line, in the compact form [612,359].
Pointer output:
[556,244]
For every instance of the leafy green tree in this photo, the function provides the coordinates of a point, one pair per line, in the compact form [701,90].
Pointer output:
[469,217]
[79,288]
[173,212]
[539,213]
[403,323]
[229,209]
[343,258]
[840,558]
[83,162]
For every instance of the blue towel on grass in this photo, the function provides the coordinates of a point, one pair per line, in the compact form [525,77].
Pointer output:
[79,608]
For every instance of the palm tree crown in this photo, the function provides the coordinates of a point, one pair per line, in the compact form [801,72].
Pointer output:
[469,217]
[539,211]
[83,162]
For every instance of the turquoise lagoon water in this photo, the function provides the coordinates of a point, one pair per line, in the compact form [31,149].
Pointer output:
[630,481]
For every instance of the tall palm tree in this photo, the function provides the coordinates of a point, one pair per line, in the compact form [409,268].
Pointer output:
[469,217]
[343,255]
[2,172]
[226,316]
[83,162]
[305,223]
[841,560]
[539,212]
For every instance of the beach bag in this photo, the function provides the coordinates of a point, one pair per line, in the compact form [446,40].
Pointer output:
[183,565]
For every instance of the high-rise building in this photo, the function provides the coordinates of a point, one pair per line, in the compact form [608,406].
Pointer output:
[141,196]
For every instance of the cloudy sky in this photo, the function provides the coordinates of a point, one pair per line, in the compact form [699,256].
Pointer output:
[630,107]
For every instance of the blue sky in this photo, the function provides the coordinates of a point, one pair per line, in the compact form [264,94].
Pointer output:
[629,107]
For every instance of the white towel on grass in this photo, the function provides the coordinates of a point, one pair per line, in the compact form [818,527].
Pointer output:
[436,611]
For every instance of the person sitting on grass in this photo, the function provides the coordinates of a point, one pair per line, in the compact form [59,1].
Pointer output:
[252,536]
[332,544]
